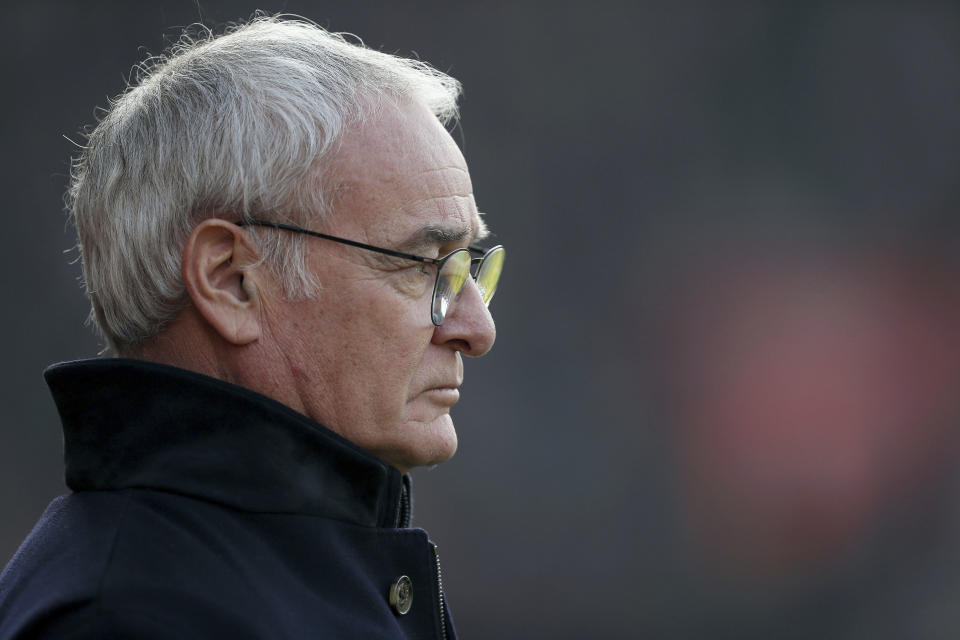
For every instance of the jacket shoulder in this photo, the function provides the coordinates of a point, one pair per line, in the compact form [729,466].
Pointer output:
[84,571]
[59,564]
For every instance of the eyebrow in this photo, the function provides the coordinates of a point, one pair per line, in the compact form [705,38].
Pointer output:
[431,236]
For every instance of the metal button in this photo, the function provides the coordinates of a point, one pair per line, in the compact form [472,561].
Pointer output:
[401,595]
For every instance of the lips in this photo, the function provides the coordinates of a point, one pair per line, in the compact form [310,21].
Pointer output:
[446,393]
[445,384]
[448,380]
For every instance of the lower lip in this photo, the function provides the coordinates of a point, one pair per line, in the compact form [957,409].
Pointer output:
[445,394]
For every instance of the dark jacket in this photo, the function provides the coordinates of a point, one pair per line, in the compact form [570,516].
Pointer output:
[203,510]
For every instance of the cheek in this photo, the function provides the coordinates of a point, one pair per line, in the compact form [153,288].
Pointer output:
[394,346]
[402,361]
[368,342]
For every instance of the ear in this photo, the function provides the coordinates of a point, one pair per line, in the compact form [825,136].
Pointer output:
[222,286]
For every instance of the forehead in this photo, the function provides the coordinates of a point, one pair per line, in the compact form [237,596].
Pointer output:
[402,173]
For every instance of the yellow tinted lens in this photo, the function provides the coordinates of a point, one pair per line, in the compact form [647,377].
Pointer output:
[489,274]
[453,274]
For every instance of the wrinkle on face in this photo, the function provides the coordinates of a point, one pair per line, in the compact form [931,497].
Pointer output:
[404,174]
[368,355]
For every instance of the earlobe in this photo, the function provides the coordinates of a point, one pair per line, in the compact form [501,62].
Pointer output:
[220,276]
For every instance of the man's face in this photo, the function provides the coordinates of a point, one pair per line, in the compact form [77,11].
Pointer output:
[365,359]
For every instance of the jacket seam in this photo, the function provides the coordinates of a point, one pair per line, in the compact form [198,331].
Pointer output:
[101,612]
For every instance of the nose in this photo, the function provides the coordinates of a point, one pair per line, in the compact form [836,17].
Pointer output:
[468,326]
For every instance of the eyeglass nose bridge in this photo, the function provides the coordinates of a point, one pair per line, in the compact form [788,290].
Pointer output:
[475,266]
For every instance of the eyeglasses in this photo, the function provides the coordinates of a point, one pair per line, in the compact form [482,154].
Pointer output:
[452,269]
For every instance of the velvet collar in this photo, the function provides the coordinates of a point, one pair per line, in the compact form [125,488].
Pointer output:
[136,424]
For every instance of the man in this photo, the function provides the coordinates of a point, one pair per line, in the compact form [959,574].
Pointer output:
[276,232]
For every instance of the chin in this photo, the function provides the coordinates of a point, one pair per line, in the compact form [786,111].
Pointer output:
[424,444]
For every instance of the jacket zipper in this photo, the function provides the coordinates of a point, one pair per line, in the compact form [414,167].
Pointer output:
[403,517]
[443,623]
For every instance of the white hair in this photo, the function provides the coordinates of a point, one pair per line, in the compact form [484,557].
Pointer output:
[238,126]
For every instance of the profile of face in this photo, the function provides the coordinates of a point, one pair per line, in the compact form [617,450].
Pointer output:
[363,355]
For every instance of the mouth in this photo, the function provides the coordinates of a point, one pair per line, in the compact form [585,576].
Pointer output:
[446,393]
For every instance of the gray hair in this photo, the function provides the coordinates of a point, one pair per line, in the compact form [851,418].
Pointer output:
[242,125]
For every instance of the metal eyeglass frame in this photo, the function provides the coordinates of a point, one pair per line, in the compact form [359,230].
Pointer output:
[439,262]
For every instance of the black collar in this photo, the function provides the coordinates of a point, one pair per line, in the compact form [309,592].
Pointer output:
[136,424]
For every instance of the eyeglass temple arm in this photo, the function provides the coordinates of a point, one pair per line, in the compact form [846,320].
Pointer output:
[352,243]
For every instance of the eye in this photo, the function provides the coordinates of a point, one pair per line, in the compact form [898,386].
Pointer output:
[424,268]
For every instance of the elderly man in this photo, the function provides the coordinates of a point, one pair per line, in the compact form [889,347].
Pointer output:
[278,238]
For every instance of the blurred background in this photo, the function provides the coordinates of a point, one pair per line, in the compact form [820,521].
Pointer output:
[724,398]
